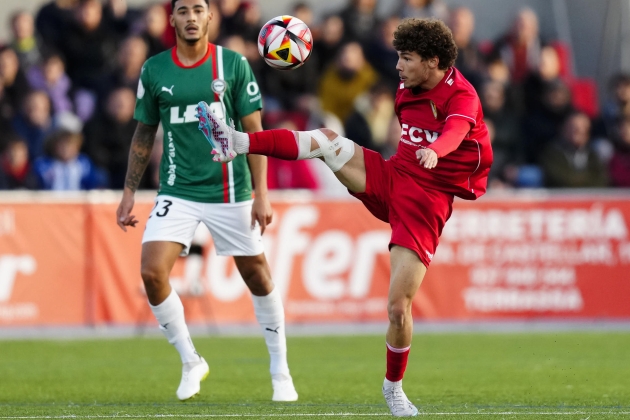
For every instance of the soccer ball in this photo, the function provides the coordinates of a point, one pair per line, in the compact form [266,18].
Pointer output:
[285,42]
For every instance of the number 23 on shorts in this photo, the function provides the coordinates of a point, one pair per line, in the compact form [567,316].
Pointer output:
[163,208]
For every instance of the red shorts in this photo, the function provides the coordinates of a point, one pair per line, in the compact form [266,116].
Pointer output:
[416,214]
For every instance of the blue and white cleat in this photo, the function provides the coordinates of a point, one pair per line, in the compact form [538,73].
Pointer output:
[218,134]
[398,403]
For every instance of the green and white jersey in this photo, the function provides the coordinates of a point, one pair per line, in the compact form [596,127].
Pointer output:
[169,92]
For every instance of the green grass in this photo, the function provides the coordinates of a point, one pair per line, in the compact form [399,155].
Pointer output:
[495,376]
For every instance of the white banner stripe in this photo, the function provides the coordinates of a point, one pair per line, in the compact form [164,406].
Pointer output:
[221,76]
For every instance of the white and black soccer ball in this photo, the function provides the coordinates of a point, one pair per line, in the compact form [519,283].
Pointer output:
[285,42]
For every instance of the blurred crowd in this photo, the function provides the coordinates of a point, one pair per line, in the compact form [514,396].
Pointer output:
[69,72]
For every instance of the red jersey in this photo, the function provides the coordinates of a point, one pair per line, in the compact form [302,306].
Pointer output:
[464,171]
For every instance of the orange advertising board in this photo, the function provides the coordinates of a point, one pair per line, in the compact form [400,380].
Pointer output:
[42,264]
[526,257]
[551,257]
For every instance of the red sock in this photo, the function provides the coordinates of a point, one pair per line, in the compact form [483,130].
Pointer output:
[279,143]
[396,363]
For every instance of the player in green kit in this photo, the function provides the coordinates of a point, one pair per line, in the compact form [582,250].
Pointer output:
[195,189]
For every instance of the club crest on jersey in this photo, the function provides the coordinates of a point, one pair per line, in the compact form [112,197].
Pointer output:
[434,109]
[218,86]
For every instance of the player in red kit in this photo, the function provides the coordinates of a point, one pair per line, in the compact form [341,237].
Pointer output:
[444,152]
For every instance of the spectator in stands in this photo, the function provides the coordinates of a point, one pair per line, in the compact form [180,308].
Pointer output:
[537,81]
[616,107]
[350,77]
[119,17]
[34,122]
[381,53]
[368,125]
[64,168]
[424,9]
[6,115]
[469,58]
[15,85]
[108,135]
[620,163]
[247,20]
[88,46]
[505,124]
[544,124]
[52,20]
[228,10]
[359,20]
[328,45]
[496,70]
[25,43]
[50,76]
[214,27]
[15,168]
[304,12]
[520,48]
[155,21]
[569,162]
[130,58]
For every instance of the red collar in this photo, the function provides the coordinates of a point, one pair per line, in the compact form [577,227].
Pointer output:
[197,64]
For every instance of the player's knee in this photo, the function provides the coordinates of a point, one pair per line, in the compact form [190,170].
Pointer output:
[154,278]
[397,313]
[338,152]
[259,284]
[255,274]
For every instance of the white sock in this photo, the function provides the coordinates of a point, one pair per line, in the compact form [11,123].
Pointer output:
[170,316]
[387,384]
[270,315]
[241,142]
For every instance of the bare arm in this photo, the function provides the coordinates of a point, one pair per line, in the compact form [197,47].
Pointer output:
[261,210]
[139,156]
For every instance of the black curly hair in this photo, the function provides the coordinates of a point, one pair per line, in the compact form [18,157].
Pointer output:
[429,38]
[175,1]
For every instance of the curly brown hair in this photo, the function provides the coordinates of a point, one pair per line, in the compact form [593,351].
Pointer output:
[429,38]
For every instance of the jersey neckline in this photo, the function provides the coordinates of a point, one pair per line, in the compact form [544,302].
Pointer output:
[197,64]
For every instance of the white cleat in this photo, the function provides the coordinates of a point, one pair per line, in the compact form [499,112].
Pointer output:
[219,134]
[192,375]
[397,401]
[283,390]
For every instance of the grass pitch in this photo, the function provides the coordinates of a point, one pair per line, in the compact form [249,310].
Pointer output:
[476,376]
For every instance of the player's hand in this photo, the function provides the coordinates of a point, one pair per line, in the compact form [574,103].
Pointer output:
[427,157]
[123,216]
[261,212]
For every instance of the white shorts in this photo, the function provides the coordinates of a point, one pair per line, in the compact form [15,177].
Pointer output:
[176,220]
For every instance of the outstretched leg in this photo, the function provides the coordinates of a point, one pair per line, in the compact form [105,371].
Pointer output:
[341,155]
